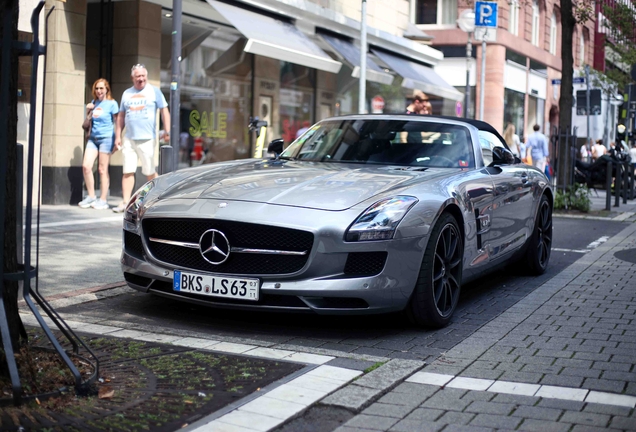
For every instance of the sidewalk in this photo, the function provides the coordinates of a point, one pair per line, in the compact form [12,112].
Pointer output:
[562,359]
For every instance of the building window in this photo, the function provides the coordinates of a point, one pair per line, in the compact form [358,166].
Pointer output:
[514,110]
[553,34]
[581,49]
[216,87]
[435,11]
[514,18]
[535,23]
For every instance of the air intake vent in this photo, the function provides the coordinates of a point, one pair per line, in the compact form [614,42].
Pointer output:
[365,263]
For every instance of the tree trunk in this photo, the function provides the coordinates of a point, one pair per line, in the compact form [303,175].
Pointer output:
[568,24]
[10,259]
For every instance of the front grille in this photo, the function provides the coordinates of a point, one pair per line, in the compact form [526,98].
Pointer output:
[264,299]
[239,234]
[365,263]
[132,245]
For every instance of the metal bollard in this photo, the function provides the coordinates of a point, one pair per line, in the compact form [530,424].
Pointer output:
[630,171]
[165,159]
[617,185]
[625,181]
[608,186]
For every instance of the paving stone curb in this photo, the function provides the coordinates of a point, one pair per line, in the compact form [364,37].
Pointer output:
[368,388]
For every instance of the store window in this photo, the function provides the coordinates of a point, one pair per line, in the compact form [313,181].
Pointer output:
[471,104]
[536,111]
[216,77]
[513,26]
[296,99]
[536,25]
[435,11]
[513,110]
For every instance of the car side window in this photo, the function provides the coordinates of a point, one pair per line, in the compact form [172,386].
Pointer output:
[487,142]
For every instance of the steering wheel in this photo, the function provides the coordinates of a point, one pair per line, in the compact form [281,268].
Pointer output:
[443,161]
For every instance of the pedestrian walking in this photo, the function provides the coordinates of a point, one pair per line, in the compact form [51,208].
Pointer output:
[512,139]
[537,145]
[138,113]
[101,117]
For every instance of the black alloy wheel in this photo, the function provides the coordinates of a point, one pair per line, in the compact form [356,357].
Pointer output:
[538,252]
[439,283]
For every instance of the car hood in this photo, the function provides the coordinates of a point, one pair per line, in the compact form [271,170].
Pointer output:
[325,186]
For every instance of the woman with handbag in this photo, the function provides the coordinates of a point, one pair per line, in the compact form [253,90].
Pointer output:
[99,127]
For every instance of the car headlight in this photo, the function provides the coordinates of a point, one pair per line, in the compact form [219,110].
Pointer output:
[131,214]
[379,221]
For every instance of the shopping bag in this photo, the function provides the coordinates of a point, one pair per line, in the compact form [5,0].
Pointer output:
[549,172]
[527,160]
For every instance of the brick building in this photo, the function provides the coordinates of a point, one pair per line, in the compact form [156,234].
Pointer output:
[520,64]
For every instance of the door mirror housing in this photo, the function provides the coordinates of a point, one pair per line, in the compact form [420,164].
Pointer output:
[502,156]
[276,147]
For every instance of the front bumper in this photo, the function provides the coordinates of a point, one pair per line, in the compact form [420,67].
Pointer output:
[329,294]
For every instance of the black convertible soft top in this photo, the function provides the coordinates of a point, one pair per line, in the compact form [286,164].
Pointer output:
[481,125]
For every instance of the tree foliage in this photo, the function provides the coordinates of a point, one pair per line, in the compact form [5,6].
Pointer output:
[619,27]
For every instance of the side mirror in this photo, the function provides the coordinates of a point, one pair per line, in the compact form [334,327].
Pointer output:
[275,146]
[502,156]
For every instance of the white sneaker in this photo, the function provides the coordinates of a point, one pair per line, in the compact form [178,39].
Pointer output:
[100,205]
[120,208]
[87,202]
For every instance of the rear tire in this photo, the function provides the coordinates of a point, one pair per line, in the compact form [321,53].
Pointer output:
[439,282]
[539,246]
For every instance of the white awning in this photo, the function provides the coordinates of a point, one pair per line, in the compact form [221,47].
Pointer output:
[350,54]
[418,76]
[276,39]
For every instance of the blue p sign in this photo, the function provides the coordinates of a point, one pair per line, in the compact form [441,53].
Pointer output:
[486,14]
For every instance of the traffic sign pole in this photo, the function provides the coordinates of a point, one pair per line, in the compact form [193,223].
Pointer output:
[587,102]
[485,17]
[482,82]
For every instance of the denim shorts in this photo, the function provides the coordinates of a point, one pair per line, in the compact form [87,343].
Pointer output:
[104,145]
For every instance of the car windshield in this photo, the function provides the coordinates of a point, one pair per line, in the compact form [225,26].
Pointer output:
[385,142]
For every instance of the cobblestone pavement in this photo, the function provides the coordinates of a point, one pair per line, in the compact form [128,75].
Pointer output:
[574,338]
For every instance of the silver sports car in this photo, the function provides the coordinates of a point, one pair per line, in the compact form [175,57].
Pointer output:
[361,214]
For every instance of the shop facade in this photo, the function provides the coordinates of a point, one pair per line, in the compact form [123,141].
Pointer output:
[289,63]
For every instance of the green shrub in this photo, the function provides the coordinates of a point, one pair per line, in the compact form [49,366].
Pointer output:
[576,197]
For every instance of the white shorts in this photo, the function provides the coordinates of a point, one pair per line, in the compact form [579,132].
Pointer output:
[145,150]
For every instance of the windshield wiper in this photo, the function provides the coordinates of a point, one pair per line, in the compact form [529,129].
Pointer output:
[407,168]
[290,158]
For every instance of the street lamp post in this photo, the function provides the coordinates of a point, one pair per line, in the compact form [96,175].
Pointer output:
[363,59]
[466,22]
[175,87]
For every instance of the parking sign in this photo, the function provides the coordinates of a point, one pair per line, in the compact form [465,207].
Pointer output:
[486,14]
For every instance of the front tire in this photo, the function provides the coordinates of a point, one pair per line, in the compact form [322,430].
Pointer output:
[537,254]
[438,285]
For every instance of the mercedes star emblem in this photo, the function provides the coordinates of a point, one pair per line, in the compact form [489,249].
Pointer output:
[214,247]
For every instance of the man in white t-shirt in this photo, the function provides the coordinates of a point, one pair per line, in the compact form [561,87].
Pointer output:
[138,113]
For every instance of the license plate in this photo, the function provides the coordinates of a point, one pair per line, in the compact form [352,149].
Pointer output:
[216,286]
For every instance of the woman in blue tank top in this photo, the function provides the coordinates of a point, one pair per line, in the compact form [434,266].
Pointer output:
[103,111]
